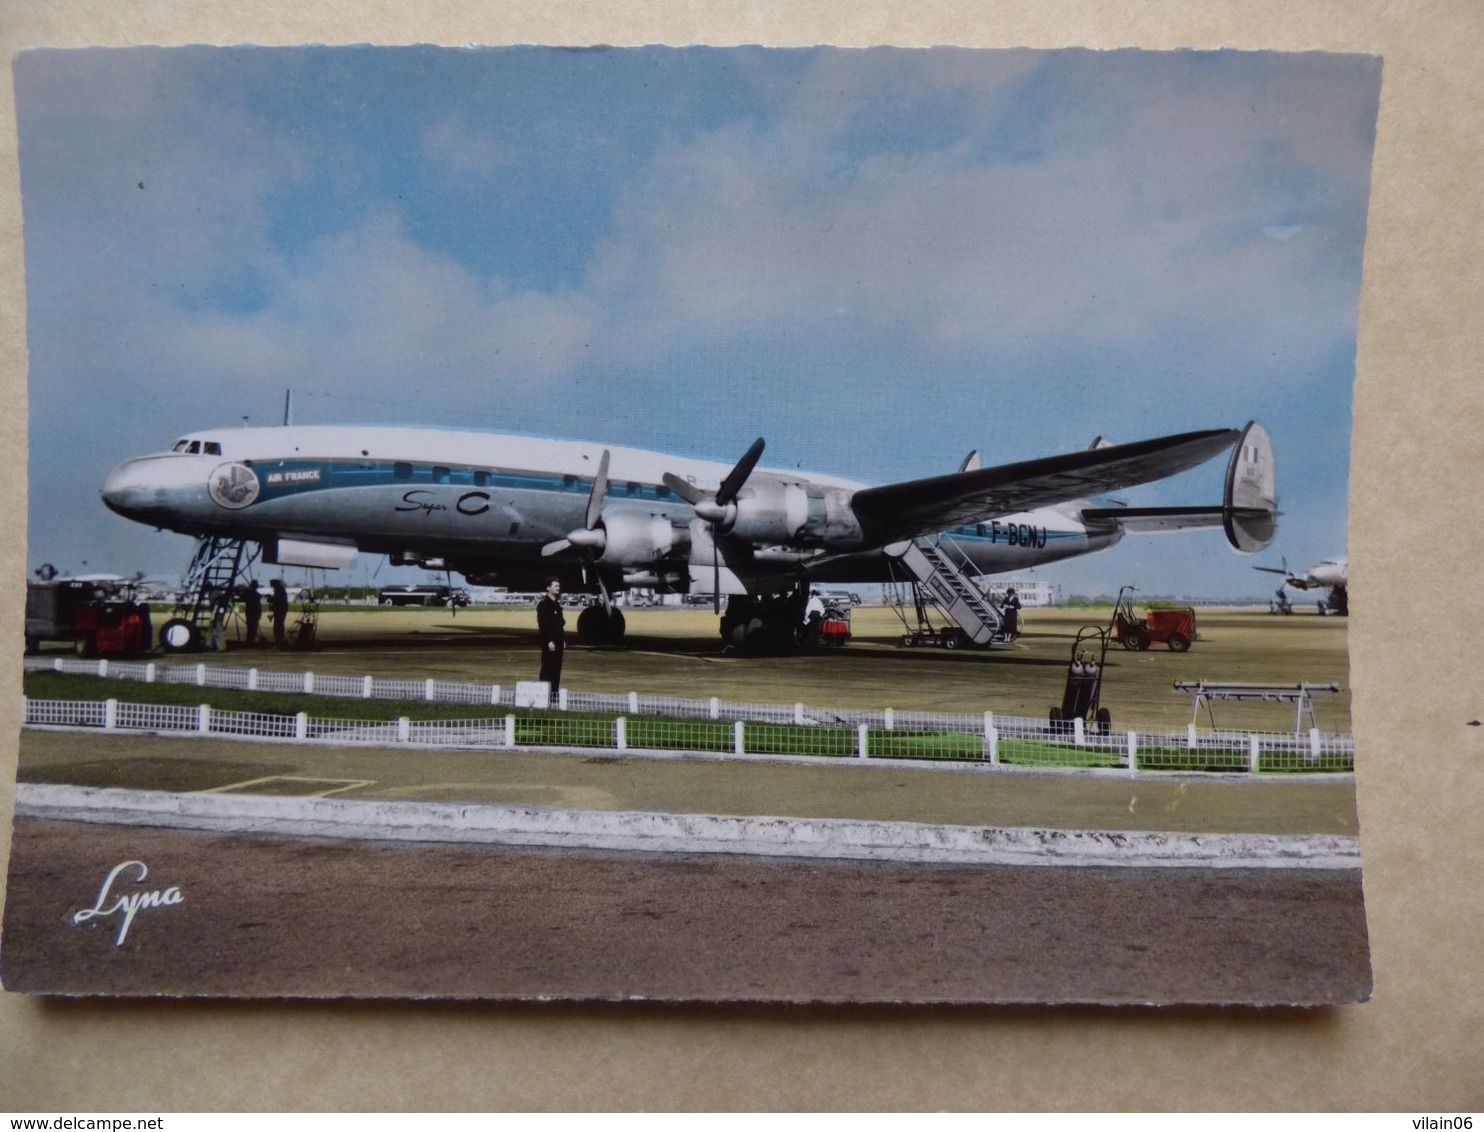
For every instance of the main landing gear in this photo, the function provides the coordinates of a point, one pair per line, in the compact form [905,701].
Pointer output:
[766,623]
[600,625]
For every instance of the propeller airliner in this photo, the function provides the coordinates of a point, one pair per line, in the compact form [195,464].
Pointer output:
[514,510]
[1332,574]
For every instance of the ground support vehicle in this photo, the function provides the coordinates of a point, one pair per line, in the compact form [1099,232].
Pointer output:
[99,619]
[1173,626]
[834,627]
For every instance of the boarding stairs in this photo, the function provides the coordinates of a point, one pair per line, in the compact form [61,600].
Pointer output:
[943,576]
[209,588]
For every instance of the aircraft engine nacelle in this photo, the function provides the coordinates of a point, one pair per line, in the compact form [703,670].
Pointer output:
[632,538]
[770,513]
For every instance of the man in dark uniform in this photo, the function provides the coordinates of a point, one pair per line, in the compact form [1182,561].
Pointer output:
[278,611]
[551,626]
[252,610]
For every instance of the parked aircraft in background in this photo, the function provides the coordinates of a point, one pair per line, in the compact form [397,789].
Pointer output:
[1332,574]
[514,510]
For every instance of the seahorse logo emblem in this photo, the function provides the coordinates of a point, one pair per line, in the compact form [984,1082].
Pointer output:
[233,486]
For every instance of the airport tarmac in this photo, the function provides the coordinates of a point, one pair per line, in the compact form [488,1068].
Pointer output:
[679,652]
[265,914]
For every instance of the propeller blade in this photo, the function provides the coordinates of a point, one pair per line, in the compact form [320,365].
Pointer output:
[557,547]
[683,488]
[738,475]
[600,490]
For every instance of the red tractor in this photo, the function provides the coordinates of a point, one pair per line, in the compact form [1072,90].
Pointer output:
[97,617]
[1172,625]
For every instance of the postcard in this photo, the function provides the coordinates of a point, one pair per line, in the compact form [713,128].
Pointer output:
[690,524]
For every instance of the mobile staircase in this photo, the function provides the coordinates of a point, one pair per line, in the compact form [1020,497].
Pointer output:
[941,577]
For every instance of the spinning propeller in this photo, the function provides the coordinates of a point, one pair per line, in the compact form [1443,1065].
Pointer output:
[719,510]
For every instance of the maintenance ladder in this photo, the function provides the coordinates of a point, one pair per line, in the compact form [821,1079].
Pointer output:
[210,585]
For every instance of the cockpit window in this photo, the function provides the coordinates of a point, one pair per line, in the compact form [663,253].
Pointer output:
[195,448]
[180,445]
[211,448]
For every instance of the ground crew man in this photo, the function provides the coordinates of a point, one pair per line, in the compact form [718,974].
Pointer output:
[278,610]
[551,626]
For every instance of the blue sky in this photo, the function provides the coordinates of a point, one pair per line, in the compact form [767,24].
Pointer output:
[877,259]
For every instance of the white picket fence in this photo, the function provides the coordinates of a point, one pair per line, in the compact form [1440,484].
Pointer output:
[642,722]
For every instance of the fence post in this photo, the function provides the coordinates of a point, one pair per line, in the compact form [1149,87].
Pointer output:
[737,744]
[621,734]
[200,675]
[404,729]
[562,699]
[103,666]
[110,715]
[494,695]
[308,682]
[203,718]
[798,713]
[149,672]
[860,738]
[510,731]
[1313,744]
[1133,752]
[992,738]
[301,725]
[1254,753]
[715,707]
[1190,737]
[634,702]
[366,687]
[428,689]
[891,719]
[1079,731]
[56,664]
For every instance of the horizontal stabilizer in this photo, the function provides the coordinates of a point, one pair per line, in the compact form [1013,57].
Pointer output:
[1249,513]
[917,507]
[1146,519]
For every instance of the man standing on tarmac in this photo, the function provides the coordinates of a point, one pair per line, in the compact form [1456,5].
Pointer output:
[278,611]
[551,626]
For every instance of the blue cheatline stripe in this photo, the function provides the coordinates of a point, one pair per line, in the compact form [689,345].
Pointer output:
[337,474]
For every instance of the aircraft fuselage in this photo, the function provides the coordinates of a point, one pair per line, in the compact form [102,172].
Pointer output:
[486,504]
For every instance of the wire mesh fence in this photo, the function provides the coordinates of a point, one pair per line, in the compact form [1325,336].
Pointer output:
[635,722]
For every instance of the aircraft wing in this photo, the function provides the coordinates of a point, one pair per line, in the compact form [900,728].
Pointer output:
[919,507]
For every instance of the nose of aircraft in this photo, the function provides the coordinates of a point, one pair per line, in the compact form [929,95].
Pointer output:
[129,489]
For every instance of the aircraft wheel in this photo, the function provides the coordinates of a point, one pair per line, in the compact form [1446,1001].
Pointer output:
[949,638]
[908,640]
[179,635]
[1135,640]
[615,627]
[589,626]
[1178,642]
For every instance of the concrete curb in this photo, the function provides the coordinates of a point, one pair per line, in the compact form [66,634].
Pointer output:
[636,831]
